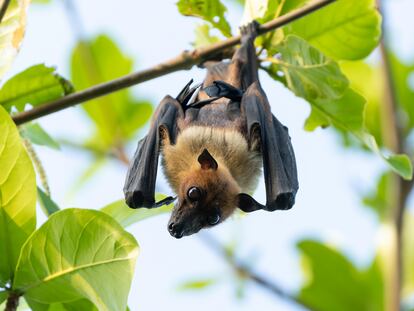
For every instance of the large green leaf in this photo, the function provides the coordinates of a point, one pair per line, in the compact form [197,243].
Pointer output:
[307,72]
[17,196]
[212,11]
[118,116]
[78,254]
[345,29]
[12,29]
[127,216]
[334,283]
[367,80]
[36,85]
[37,135]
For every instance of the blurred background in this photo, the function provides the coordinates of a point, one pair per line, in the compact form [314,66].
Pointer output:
[191,273]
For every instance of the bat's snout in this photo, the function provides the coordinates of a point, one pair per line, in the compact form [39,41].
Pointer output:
[176,230]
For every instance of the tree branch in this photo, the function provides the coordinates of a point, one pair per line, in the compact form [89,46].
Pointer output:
[3,9]
[185,60]
[12,301]
[246,272]
[398,189]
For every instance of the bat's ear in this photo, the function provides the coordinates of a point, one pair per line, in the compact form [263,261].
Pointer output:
[207,161]
[247,204]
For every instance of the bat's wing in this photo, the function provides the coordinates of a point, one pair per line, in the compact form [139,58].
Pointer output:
[139,186]
[278,157]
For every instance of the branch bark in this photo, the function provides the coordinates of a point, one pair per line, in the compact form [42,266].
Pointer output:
[258,279]
[398,188]
[12,302]
[185,60]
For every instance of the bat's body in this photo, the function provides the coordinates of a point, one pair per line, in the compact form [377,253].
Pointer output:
[214,142]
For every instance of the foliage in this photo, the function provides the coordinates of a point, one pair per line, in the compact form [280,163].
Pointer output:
[35,85]
[76,259]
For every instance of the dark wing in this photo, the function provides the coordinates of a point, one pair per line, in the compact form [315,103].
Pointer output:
[278,157]
[139,186]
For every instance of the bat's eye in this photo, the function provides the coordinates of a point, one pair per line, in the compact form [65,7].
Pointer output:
[194,194]
[213,219]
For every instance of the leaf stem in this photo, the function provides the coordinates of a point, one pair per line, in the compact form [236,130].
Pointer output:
[183,61]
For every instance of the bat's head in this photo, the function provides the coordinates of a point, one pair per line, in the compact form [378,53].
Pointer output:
[207,195]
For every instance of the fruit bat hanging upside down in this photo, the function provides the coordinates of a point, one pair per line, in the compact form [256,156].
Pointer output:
[214,139]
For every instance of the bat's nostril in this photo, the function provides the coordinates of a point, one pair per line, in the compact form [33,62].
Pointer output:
[171,227]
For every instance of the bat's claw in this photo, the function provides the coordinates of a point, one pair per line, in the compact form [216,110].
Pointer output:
[249,31]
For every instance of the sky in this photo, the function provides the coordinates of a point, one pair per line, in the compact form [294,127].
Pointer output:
[331,179]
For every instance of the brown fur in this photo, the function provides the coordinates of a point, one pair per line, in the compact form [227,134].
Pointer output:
[238,167]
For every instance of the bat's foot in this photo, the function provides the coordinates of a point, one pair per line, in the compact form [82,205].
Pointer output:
[223,89]
[249,31]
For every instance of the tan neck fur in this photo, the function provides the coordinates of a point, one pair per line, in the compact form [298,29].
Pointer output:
[227,146]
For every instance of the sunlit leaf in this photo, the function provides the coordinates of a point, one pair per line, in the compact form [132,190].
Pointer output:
[37,135]
[367,80]
[12,29]
[345,29]
[260,10]
[78,254]
[47,204]
[203,36]
[117,116]
[36,85]
[334,283]
[307,72]
[17,196]
[127,216]
[3,296]
[212,11]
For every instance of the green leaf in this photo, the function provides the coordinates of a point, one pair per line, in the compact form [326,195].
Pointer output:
[37,135]
[334,283]
[78,254]
[127,216]
[17,196]
[260,10]
[12,29]
[47,204]
[197,284]
[307,72]
[203,36]
[118,116]
[212,11]
[378,199]
[77,305]
[403,75]
[3,296]
[348,29]
[36,85]
[367,80]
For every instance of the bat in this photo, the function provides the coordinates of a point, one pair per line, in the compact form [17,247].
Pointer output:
[214,139]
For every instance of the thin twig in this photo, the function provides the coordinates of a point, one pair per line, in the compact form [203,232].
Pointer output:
[258,279]
[3,9]
[185,60]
